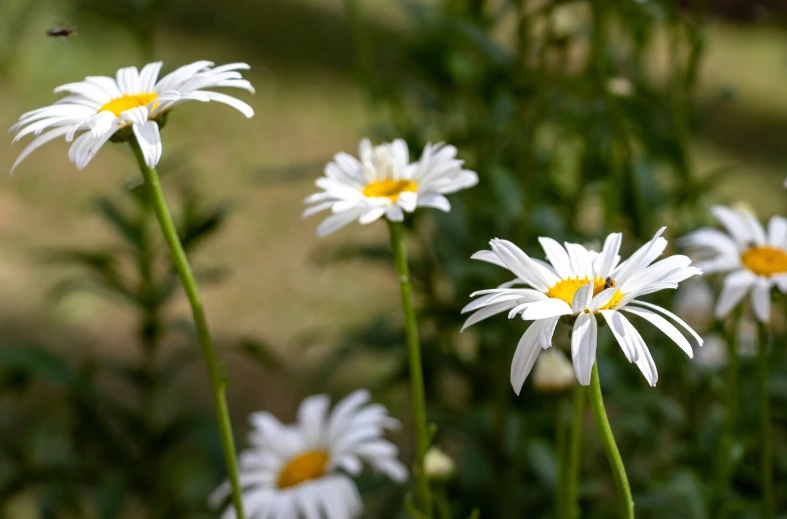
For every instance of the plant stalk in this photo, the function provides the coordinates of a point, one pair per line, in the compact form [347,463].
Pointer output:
[179,259]
[732,392]
[766,447]
[416,369]
[613,455]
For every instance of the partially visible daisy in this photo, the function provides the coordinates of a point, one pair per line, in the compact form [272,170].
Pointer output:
[755,259]
[582,286]
[101,106]
[553,371]
[301,470]
[383,181]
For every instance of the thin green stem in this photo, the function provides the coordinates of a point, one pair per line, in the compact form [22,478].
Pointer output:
[575,442]
[605,432]
[416,370]
[562,459]
[766,447]
[730,412]
[181,262]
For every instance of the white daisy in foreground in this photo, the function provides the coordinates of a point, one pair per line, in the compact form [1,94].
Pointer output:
[100,106]
[756,259]
[301,470]
[582,285]
[385,182]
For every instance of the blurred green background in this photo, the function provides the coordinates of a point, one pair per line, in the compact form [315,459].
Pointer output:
[580,118]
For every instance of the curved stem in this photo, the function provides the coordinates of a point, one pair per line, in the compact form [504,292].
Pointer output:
[181,262]
[766,449]
[416,370]
[613,455]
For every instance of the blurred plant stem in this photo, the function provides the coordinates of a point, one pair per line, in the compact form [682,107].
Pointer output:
[613,455]
[569,460]
[732,391]
[416,369]
[361,44]
[766,447]
[217,380]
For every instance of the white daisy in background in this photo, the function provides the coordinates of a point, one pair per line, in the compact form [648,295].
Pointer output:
[100,106]
[383,181]
[553,371]
[755,259]
[583,285]
[301,470]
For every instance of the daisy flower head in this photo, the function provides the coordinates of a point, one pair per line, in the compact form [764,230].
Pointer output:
[754,258]
[303,470]
[383,182]
[583,287]
[133,102]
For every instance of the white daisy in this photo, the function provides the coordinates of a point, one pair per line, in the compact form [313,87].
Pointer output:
[582,285]
[755,259]
[101,106]
[301,470]
[385,182]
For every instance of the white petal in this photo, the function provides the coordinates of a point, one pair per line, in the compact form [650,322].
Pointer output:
[733,221]
[525,356]
[149,140]
[408,201]
[736,285]
[547,308]
[583,346]
[435,200]
[615,321]
[777,231]
[761,299]
[663,325]
[371,215]
[557,256]
[582,297]
[606,262]
[38,142]
[336,221]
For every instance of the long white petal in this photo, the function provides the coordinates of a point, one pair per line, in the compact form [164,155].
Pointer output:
[149,140]
[663,325]
[525,356]
[583,346]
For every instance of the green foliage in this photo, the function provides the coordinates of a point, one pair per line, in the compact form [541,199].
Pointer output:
[87,451]
[574,133]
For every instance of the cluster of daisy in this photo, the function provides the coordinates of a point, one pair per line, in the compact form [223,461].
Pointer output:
[304,469]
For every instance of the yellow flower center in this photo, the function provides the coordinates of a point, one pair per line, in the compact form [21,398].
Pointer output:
[765,261]
[307,466]
[566,288]
[127,102]
[390,189]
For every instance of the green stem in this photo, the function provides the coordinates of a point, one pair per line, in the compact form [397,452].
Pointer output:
[416,370]
[766,452]
[730,412]
[181,262]
[605,432]
[575,442]
[562,460]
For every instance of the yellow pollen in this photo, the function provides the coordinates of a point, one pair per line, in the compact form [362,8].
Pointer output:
[765,261]
[566,288]
[309,465]
[390,189]
[127,102]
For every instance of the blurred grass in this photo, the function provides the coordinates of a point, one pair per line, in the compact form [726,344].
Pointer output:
[307,108]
